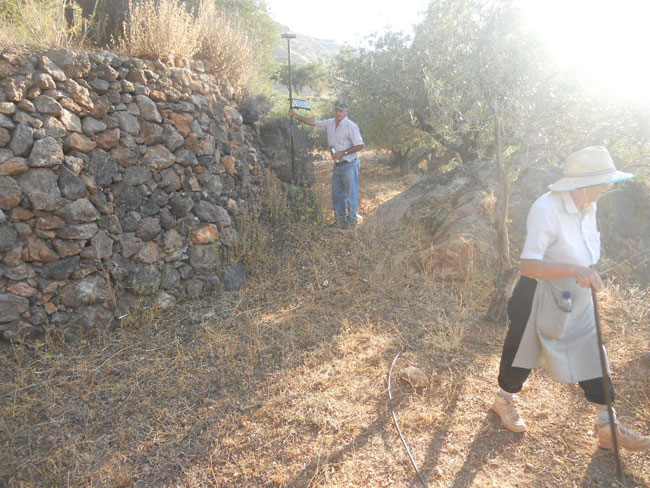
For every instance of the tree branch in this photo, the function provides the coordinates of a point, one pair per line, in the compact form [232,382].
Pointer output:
[422,123]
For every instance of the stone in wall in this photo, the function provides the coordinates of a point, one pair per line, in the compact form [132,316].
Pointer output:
[276,139]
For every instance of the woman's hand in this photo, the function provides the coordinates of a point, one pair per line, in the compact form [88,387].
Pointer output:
[540,270]
[588,278]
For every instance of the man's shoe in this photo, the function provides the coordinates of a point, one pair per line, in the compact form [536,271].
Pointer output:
[627,438]
[339,224]
[507,410]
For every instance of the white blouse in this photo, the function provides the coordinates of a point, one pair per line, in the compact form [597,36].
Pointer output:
[557,232]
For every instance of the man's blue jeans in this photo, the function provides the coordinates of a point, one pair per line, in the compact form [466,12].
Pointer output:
[345,191]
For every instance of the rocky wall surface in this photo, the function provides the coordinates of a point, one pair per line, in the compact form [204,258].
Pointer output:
[119,178]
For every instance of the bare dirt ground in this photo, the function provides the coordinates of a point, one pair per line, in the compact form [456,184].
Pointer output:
[283,383]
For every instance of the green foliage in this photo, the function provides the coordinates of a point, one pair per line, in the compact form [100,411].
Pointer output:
[467,58]
[304,207]
[9,10]
[375,84]
[470,60]
[316,75]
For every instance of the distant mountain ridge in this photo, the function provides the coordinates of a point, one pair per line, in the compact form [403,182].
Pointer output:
[305,49]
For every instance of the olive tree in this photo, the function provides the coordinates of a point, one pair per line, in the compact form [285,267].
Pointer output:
[439,90]
[375,82]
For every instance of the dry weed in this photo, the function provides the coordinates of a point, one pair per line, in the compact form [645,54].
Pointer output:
[225,47]
[169,30]
[160,29]
[43,23]
[283,383]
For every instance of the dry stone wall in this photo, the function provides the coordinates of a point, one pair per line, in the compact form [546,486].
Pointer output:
[119,178]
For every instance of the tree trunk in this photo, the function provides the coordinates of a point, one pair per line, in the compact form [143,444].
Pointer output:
[440,162]
[69,14]
[468,150]
[507,272]
[401,160]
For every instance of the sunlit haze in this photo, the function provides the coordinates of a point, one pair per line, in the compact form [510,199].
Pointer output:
[605,42]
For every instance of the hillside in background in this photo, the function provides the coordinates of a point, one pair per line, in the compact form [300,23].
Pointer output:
[305,49]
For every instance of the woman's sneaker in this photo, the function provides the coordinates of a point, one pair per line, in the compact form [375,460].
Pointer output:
[507,410]
[627,438]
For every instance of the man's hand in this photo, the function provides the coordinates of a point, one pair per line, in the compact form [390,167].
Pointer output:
[338,155]
[588,278]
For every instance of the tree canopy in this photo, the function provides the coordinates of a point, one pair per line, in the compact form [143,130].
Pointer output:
[314,75]
[468,60]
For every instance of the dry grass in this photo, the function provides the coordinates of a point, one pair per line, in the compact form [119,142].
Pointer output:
[42,23]
[167,30]
[283,383]
[227,50]
[160,29]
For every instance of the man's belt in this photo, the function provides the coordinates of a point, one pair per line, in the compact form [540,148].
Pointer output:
[343,161]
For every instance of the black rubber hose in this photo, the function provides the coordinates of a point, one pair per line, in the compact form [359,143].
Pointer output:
[392,410]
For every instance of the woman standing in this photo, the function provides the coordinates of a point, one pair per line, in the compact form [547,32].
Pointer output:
[551,310]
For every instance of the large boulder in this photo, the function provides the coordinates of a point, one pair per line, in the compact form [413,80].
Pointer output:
[86,292]
[61,269]
[623,224]
[234,276]
[78,212]
[8,238]
[248,111]
[22,140]
[276,141]
[457,208]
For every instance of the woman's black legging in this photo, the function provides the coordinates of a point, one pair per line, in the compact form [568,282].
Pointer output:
[511,378]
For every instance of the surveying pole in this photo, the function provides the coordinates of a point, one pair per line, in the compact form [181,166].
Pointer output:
[288,36]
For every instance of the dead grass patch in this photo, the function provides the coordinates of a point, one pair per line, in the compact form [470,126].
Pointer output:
[283,383]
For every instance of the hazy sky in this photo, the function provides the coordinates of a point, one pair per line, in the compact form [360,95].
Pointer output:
[607,42]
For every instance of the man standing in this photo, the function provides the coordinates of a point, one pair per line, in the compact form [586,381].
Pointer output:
[344,140]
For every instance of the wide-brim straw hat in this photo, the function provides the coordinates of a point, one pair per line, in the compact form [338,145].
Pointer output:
[589,167]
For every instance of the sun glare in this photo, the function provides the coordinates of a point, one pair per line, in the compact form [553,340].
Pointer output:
[605,42]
